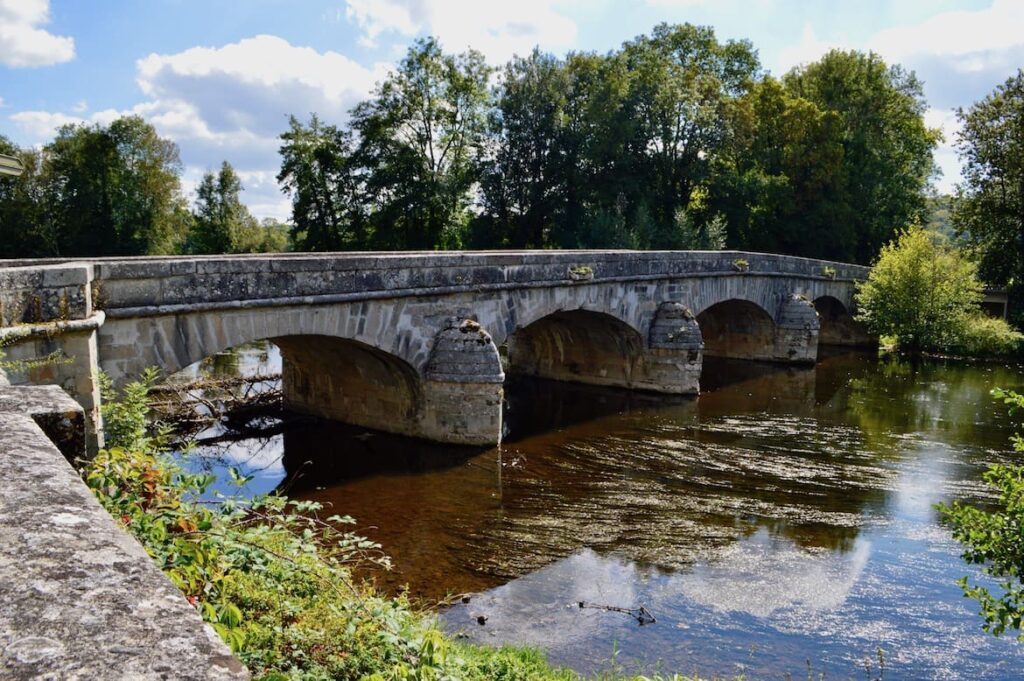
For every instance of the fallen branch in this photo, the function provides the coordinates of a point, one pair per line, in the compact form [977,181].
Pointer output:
[642,615]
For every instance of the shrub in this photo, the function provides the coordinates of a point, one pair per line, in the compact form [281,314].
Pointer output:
[993,539]
[984,336]
[921,291]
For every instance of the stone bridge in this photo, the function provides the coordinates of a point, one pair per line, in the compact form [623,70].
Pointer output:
[419,343]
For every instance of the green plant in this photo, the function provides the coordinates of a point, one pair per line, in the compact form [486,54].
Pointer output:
[921,290]
[993,538]
[984,336]
[828,271]
[581,272]
[126,415]
[740,265]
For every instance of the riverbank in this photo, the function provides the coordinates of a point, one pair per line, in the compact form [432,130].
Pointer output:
[275,581]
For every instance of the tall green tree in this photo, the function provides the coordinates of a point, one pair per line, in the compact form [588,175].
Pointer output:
[24,221]
[680,82]
[988,209]
[779,181]
[887,148]
[220,217]
[320,176]
[419,141]
[113,190]
[522,166]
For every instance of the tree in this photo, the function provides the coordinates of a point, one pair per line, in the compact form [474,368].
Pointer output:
[887,148]
[112,190]
[680,80]
[779,180]
[221,221]
[921,291]
[988,210]
[328,198]
[24,221]
[992,537]
[419,140]
[521,169]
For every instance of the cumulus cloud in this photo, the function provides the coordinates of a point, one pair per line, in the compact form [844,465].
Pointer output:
[23,42]
[498,30]
[232,102]
[809,49]
[960,55]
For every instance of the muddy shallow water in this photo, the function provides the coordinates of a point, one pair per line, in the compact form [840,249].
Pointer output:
[784,517]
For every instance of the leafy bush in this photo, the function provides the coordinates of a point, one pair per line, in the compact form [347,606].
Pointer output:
[993,539]
[984,336]
[921,290]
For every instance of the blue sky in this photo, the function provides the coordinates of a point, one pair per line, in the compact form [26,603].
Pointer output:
[220,76]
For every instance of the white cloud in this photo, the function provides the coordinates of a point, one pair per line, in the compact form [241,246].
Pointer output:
[231,103]
[497,29]
[971,35]
[945,154]
[23,43]
[809,49]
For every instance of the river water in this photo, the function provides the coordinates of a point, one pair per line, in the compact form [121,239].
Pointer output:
[782,521]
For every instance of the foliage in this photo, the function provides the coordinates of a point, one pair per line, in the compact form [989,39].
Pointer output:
[993,538]
[220,217]
[988,209]
[921,290]
[318,174]
[126,414]
[984,336]
[419,136]
[96,190]
[886,146]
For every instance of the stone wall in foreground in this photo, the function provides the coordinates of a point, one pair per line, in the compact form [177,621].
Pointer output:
[81,598]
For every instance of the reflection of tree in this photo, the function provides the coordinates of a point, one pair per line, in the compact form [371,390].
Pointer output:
[948,400]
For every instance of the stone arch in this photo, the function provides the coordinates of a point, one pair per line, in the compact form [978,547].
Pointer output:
[838,326]
[737,328]
[581,346]
[350,381]
[524,307]
[173,342]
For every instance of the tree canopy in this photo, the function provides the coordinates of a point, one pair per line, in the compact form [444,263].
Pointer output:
[675,140]
[988,210]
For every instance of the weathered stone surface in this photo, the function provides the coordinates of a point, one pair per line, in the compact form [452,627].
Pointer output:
[381,323]
[60,418]
[81,598]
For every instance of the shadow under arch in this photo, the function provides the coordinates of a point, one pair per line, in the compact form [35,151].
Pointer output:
[737,329]
[349,381]
[579,346]
[838,327]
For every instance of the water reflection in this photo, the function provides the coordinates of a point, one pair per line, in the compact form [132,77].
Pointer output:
[785,515]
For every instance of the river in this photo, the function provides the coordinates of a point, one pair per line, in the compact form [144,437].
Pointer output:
[781,523]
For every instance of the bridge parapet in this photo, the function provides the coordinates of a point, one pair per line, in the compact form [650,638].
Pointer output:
[363,334]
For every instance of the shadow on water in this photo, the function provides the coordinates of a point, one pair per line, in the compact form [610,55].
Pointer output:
[786,510]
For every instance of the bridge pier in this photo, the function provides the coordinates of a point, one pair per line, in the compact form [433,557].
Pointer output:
[796,331]
[457,401]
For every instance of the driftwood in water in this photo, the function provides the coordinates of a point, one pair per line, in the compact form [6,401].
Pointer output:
[642,615]
[234,401]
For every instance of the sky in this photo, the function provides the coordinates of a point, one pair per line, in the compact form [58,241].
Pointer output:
[220,77]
